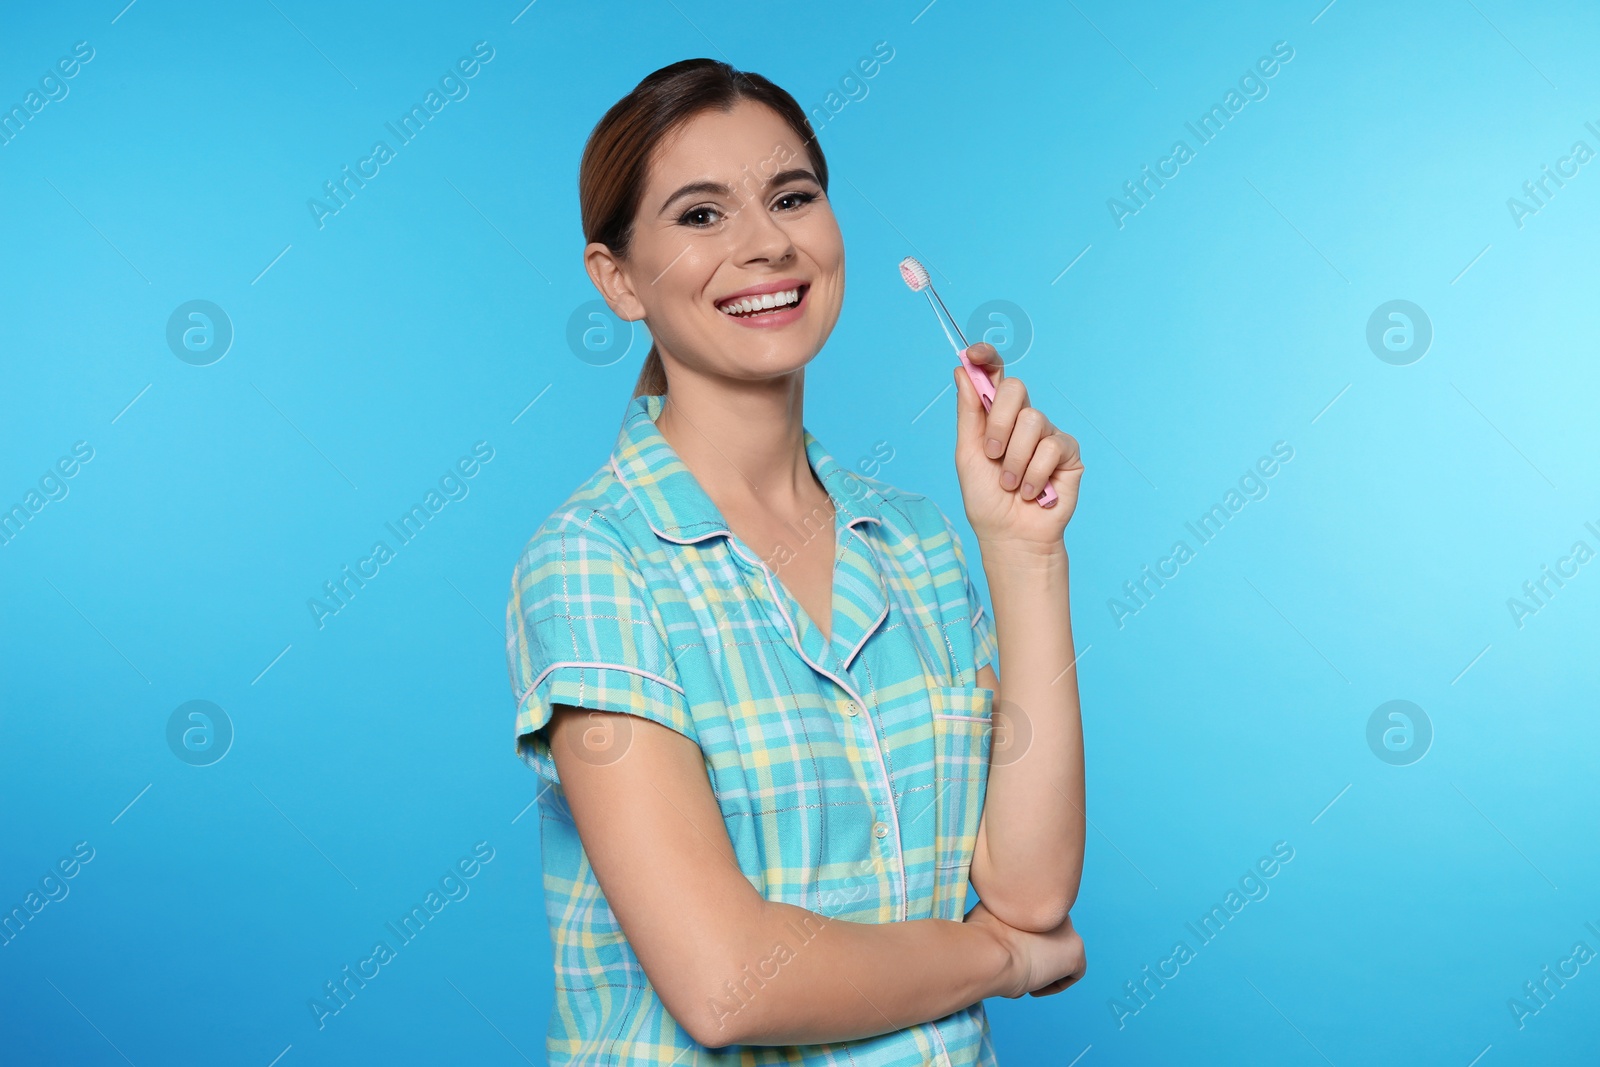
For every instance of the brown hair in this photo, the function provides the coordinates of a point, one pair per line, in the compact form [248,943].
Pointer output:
[616,158]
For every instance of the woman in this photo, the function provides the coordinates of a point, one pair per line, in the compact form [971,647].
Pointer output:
[760,686]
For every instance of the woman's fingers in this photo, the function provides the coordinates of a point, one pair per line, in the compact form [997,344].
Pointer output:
[1030,431]
[1060,983]
[1010,400]
[1055,987]
[1024,439]
[1047,455]
[985,355]
[1057,450]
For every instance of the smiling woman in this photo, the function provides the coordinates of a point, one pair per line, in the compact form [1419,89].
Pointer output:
[780,167]
[768,768]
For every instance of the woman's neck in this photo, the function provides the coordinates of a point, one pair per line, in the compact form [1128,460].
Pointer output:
[744,443]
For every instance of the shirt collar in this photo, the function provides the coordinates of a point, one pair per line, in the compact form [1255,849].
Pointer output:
[675,505]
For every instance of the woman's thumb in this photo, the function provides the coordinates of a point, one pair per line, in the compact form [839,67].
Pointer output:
[970,416]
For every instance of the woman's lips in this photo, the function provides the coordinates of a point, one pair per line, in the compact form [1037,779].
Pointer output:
[764,320]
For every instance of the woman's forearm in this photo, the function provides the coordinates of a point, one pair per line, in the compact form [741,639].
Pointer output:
[804,978]
[1029,857]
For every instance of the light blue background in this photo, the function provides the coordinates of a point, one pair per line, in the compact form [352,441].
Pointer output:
[1228,314]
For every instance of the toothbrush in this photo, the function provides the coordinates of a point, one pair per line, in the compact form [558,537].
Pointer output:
[917,277]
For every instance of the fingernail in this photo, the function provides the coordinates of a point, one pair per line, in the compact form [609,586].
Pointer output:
[993,447]
[1008,480]
[1027,489]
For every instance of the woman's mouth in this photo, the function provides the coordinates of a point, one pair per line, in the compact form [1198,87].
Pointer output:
[766,309]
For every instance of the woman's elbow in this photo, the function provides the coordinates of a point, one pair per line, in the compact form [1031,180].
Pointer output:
[1035,898]
[730,1004]
[1041,919]
[705,999]
[711,1028]
[1034,913]
[704,1017]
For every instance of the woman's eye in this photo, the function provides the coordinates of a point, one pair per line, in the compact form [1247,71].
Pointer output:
[792,201]
[699,216]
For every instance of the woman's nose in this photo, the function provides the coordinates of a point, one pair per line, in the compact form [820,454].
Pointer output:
[759,237]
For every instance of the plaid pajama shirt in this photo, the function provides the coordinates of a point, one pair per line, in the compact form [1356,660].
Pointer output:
[850,770]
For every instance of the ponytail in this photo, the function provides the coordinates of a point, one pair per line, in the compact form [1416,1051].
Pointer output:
[652,376]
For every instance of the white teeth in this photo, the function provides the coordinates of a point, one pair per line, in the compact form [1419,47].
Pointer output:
[764,302]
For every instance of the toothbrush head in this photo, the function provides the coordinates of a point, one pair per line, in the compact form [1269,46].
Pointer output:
[915,274]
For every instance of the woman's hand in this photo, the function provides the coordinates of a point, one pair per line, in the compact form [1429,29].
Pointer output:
[1006,456]
[1043,963]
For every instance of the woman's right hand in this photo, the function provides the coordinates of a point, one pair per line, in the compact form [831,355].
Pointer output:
[1042,964]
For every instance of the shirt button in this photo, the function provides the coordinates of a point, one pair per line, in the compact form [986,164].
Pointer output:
[851,709]
[880,830]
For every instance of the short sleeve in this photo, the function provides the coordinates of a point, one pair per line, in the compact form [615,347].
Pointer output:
[985,646]
[582,629]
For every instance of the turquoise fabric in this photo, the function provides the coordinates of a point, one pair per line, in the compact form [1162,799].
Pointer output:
[850,771]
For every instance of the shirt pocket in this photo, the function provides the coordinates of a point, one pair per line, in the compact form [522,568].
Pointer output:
[961,740]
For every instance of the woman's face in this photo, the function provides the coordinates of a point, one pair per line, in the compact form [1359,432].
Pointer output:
[732,217]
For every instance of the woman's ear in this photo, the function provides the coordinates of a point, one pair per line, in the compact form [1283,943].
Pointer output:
[606,272]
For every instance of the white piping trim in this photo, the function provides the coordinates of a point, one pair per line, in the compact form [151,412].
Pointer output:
[609,667]
[944,1051]
[870,631]
[876,622]
[617,472]
[724,531]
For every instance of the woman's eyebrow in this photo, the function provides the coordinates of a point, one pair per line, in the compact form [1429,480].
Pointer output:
[718,189]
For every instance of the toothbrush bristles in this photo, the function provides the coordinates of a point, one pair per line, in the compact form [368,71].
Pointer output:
[917,277]
[915,274]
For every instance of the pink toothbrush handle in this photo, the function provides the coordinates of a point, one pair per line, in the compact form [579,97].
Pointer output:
[985,387]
